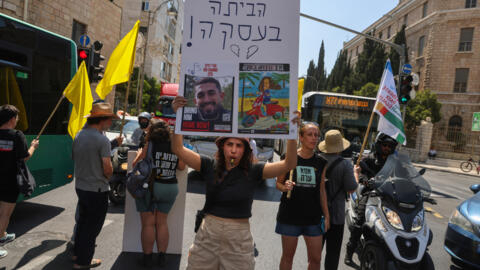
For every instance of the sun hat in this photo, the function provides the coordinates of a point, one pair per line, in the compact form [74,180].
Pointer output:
[101,109]
[333,143]
[221,139]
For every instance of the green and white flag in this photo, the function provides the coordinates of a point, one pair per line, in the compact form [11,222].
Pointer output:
[388,108]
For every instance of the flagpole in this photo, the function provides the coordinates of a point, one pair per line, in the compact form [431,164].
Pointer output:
[50,117]
[366,136]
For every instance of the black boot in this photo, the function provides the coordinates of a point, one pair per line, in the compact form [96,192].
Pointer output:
[162,259]
[147,260]
[349,255]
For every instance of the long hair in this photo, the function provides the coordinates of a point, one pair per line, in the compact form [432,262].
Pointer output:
[159,131]
[245,161]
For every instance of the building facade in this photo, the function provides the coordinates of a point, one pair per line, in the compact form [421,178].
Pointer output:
[443,42]
[161,35]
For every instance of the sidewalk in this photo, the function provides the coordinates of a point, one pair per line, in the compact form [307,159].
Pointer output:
[445,165]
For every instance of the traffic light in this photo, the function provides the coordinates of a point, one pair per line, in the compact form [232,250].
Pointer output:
[96,69]
[83,54]
[405,88]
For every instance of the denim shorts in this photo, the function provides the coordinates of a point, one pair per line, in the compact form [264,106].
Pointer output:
[297,230]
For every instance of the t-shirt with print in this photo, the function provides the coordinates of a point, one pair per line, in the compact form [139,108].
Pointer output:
[233,197]
[342,178]
[165,162]
[89,147]
[303,208]
[13,146]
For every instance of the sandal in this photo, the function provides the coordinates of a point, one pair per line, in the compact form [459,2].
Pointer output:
[94,263]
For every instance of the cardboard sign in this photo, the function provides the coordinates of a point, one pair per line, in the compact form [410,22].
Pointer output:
[239,68]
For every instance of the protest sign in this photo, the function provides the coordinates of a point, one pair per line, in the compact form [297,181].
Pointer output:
[239,68]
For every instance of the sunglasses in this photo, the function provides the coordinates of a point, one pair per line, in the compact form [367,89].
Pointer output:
[387,145]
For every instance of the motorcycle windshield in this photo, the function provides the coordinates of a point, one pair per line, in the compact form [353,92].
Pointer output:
[399,166]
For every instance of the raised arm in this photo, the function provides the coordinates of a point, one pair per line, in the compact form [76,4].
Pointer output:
[282,167]
[189,157]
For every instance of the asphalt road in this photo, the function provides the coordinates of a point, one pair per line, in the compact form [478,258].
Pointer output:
[44,224]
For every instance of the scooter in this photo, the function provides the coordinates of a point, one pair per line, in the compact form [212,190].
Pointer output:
[119,178]
[395,234]
[272,109]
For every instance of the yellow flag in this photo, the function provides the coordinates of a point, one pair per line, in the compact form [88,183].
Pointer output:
[300,93]
[10,94]
[80,95]
[120,64]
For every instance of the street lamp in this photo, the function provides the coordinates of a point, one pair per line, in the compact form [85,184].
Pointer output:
[172,11]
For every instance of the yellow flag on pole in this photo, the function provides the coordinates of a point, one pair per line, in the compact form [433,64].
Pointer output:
[79,94]
[120,64]
[300,93]
[10,94]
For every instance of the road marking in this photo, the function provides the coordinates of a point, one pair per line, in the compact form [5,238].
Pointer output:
[35,263]
[434,213]
[437,215]
[107,222]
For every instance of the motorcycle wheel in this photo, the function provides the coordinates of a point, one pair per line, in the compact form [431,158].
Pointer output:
[427,263]
[373,258]
[117,193]
[466,166]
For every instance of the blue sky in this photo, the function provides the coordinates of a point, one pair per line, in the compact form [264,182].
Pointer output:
[354,14]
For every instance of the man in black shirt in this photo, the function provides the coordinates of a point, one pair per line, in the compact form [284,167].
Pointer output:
[384,146]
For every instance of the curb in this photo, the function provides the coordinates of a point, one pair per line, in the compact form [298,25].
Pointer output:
[443,169]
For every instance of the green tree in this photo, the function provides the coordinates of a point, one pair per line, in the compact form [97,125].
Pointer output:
[368,90]
[151,94]
[340,71]
[121,90]
[424,105]
[320,73]
[400,39]
[251,78]
[310,81]
[281,78]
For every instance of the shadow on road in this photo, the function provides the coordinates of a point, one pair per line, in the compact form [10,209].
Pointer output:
[131,260]
[37,251]
[266,191]
[447,196]
[29,215]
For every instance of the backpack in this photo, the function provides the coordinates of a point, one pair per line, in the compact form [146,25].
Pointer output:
[25,181]
[332,194]
[138,179]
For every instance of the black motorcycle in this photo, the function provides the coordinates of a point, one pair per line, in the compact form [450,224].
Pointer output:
[119,177]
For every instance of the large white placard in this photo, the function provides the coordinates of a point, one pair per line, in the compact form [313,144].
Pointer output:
[239,68]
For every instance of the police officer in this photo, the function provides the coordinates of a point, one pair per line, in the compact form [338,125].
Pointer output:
[384,146]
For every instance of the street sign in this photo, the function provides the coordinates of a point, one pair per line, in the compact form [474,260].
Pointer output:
[84,40]
[476,121]
[407,69]
[415,79]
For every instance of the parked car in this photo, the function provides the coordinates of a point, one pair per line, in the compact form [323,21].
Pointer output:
[462,239]
[131,123]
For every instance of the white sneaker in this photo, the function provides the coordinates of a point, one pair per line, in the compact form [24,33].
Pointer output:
[9,237]
[3,253]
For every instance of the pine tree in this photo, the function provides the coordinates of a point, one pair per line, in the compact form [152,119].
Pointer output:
[339,72]
[321,75]
[310,81]
[400,39]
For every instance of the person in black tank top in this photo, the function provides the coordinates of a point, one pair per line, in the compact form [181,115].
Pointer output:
[158,201]
[303,207]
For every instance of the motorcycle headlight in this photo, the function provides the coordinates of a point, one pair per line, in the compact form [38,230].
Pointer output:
[393,218]
[458,219]
[418,222]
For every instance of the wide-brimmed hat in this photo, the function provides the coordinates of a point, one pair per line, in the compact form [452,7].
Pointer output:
[220,140]
[101,109]
[333,143]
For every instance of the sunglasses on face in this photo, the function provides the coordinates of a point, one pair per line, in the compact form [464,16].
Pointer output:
[386,145]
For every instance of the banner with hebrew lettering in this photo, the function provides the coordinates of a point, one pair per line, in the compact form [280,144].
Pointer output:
[239,68]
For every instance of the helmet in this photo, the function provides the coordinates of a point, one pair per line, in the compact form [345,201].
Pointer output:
[383,138]
[145,115]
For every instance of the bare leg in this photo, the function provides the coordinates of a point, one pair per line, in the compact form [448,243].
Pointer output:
[314,250]
[162,231]
[289,246]
[148,231]
[6,210]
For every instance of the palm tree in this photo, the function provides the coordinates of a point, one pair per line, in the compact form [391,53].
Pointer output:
[247,76]
[281,77]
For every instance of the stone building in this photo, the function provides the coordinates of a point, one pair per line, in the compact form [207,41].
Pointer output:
[164,36]
[443,41]
[99,19]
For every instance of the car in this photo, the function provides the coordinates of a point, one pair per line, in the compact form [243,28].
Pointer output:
[131,124]
[462,238]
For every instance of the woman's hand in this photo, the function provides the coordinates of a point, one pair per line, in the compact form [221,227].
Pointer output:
[288,185]
[34,144]
[178,102]
[297,119]
[357,169]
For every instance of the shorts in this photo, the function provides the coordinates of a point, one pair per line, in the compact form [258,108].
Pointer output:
[221,244]
[9,191]
[297,230]
[163,198]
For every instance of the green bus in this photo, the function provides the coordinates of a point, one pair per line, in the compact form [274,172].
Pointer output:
[35,67]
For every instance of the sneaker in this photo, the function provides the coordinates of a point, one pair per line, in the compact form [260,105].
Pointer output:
[3,253]
[9,237]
